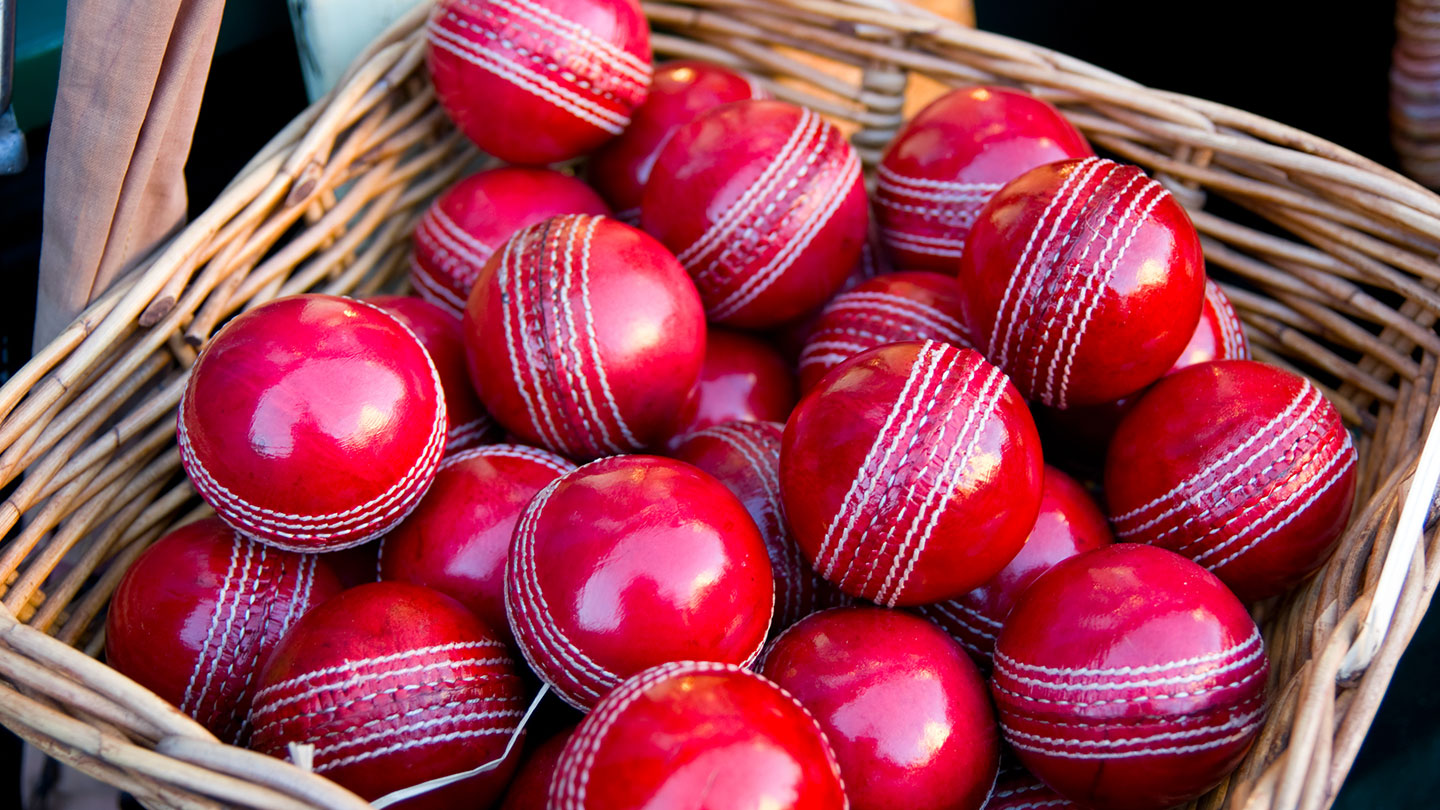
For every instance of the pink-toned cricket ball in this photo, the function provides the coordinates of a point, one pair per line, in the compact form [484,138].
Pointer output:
[1081,435]
[764,204]
[911,473]
[197,613]
[531,787]
[1242,467]
[951,158]
[1130,678]
[745,456]
[1083,281]
[313,423]
[394,685]
[902,705]
[568,74]
[629,562]
[679,92]
[584,335]
[1069,523]
[744,379]
[698,734]
[439,332]
[887,309]
[457,539]
[464,227]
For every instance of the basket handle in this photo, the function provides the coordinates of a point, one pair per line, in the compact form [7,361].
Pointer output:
[1409,531]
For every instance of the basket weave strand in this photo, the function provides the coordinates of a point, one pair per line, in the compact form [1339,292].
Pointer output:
[1339,283]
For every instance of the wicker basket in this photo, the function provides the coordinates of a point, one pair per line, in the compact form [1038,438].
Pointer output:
[1329,257]
[1415,89]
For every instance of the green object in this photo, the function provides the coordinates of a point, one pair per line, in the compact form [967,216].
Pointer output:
[40,27]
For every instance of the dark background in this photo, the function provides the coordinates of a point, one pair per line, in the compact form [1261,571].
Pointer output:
[1318,66]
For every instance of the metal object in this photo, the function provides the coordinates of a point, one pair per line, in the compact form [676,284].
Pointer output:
[13,156]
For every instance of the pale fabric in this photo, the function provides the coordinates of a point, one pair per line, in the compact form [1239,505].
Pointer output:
[131,77]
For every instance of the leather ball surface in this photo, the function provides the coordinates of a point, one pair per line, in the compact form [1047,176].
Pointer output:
[568,74]
[629,562]
[198,613]
[1082,280]
[1243,467]
[1130,678]
[313,423]
[911,473]
[764,204]
[585,336]
[902,705]
[705,735]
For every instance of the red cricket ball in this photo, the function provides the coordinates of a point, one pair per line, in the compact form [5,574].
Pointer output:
[911,473]
[692,734]
[1082,434]
[568,74]
[1018,789]
[439,332]
[951,158]
[744,379]
[464,227]
[764,204]
[584,335]
[679,91]
[629,562]
[1242,467]
[457,539]
[1129,678]
[902,705]
[313,423]
[887,309]
[1083,280]
[745,456]
[531,787]
[197,614]
[394,685]
[1069,523]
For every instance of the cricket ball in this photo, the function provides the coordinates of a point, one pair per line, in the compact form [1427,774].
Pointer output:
[1129,678]
[568,74]
[531,787]
[1069,523]
[1242,467]
[197,614]
[1018,789]
[744,379]
[629,562]
[394,685]
[1082,280]
[887,309]
[313,423]
[1082,434]
[457,539]
[439,332]
[764,204]
[951,158]
[745,456]
[698,734]
[902,705]
[585,336]
[911,473]
[464,227]
[679,92]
